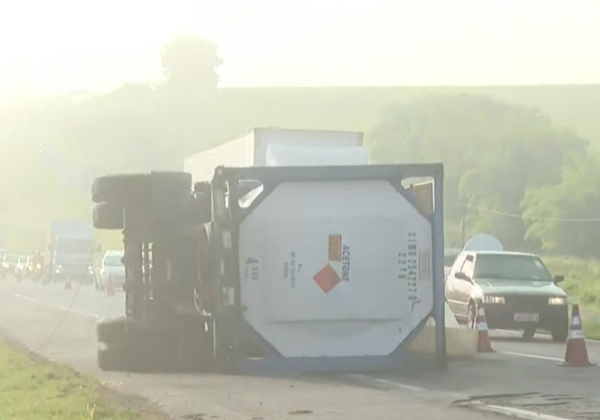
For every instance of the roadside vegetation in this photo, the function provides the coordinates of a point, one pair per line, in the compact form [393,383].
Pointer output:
[582,283]
[582,279]
[518,164]
[591,330]
[31,388]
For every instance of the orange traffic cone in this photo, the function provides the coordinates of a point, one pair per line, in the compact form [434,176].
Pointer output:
[110,287]
[68,285]
[484,344]
[576,354]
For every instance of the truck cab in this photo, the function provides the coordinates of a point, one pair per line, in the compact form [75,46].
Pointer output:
[71,258]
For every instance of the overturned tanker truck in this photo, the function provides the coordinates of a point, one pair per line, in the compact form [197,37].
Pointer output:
[263,268]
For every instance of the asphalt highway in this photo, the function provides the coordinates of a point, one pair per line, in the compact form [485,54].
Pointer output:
[60,325]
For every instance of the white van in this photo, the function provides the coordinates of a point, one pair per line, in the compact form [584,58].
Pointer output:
[111,267]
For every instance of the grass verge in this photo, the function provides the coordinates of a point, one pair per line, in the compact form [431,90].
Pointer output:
[591,330]
[582,283]
[32,388]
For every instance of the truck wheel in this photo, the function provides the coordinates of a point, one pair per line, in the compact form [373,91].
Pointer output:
[125,187]
[108,216]
[113,359]
[528,333]
[112,331]
[194,350]
[128,353]
[119,188]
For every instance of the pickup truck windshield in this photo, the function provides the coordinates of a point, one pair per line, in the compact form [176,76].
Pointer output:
[510,267]
[11,258]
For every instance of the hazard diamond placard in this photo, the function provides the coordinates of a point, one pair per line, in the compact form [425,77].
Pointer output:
[327,278]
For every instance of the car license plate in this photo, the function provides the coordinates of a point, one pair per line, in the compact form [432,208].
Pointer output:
[527,317]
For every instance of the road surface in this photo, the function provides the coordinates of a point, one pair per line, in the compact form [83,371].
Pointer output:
[60,324]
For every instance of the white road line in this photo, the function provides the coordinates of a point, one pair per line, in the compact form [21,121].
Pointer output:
[532,356]
[389,383]
[588,340]
[57,307]
[513,412]
[543,334]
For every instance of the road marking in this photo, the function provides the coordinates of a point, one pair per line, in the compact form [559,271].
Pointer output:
[389,383]
[543,334]
[57,307]
[532,356]
[511,412]
[588,340]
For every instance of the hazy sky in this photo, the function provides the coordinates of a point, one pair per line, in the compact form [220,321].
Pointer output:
[65,45]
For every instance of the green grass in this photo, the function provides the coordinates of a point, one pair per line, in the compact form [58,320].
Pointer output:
[582,279]
[582,283]
[591,330]
[34,389]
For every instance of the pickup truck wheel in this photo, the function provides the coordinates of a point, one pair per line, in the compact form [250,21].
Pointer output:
[131,187]
[560,334]
[528,333]
[472,316]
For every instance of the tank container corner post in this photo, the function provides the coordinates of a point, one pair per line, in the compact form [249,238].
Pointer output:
[224,317]
[232,233]
[439,291]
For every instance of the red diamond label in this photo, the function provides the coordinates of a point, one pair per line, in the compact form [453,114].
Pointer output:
[327,278]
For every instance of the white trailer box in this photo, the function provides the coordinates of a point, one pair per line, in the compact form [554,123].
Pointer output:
[251,149]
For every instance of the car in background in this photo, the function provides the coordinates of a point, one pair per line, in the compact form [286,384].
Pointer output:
[516,290]
[111,267]
[34,267]
[22,264]
[9,264]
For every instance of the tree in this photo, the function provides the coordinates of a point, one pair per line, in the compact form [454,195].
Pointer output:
[564,216]
[190,62]
[188,102]
[493,154]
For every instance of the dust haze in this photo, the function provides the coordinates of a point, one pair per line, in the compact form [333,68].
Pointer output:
[505,95]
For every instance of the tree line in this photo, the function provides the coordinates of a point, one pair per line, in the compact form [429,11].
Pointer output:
[509,170]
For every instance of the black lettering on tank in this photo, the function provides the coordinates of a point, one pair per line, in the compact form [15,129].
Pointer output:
[345,263]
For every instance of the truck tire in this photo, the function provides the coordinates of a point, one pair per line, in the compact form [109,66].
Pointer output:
[130,356]
[121,187]
[113,331]
[196,351]
[113,359]
[130,187]
[108,216]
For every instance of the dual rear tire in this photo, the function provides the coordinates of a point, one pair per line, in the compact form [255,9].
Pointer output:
[149,198]
[145,200]
[132,347]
